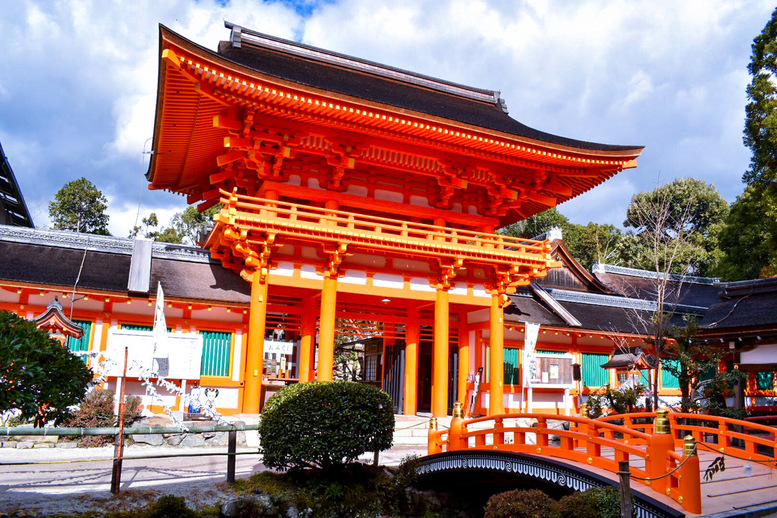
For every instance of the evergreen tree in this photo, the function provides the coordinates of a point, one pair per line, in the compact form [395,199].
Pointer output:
[536,225]
[39,377]
[79,206]
[675,227]
[190,223]
[747,240]
[748,243]
[760,133]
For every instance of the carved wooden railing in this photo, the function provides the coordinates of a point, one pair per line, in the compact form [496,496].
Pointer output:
[305,222]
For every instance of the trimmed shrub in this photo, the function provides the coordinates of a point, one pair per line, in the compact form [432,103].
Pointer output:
[521,503]
[598,502]
[169,506]
[325,424]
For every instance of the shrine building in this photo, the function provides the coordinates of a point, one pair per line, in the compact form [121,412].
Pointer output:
[356,192]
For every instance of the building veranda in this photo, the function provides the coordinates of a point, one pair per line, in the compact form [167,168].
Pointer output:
[358,201]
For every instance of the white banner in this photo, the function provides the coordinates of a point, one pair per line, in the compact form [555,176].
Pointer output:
[529,343]
[160,325]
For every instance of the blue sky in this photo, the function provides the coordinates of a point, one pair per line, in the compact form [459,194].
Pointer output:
[78,80]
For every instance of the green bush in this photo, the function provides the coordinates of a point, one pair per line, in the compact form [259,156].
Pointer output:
[325,425]
[169,506]
[598,502]
[40,377]
[521,503]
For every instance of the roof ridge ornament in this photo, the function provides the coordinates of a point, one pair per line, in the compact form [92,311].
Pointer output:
[236,36]
[240,35]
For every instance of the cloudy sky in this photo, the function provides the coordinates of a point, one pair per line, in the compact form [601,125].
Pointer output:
[78,80]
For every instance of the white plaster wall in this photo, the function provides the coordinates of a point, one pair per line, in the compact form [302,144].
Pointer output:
[354,277]
[384,280]
[419,201]
[420,284]
[382,194]
[358,190]
[308,271]
[284,269]
[460,288]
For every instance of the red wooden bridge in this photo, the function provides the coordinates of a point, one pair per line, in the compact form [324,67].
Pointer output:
[702,463]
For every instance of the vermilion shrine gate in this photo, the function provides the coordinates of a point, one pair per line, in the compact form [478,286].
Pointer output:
[353,191]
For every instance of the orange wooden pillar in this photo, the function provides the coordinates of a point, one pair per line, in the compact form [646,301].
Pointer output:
[464,367]
[252,389]
[496,341]
[307,340]
[440,354]
[412,339]
[326,334]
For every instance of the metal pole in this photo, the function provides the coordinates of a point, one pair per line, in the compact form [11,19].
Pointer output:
[118,449]
[231,449]
[624,474]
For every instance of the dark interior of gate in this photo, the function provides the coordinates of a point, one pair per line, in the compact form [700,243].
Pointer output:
[382,361]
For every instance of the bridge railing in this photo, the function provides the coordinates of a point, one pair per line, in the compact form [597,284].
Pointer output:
[744,439]
[590,442]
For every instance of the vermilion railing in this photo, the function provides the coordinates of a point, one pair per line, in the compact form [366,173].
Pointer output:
[744,439]
[378,232]
[590,442]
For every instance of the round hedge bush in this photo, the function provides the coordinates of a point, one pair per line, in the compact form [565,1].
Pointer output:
[521,503]
[325,424]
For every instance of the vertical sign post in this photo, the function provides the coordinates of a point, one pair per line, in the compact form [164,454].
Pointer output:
[118,449]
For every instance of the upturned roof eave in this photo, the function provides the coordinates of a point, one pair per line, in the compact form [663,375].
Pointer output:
[623,153]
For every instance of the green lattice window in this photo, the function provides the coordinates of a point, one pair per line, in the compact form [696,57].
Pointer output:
[593,374]
[137,327]
[669,380]
[512,366]
[81,344]
[764,381]
[216,353]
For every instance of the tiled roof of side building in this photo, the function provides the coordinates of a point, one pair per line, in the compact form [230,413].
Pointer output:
[346,75]
[633,282]
[44,264]
[54,258]
[742,304]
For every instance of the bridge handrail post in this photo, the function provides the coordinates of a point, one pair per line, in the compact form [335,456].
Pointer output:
[434,445]
[542,431]
[656,459]
[688,477]
[582,426]
[499,431]
[455,441]
[593,448]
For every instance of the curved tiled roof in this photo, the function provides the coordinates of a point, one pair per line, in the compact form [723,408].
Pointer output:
[346,75]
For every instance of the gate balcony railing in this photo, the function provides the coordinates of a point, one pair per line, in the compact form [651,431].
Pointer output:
[308,223]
